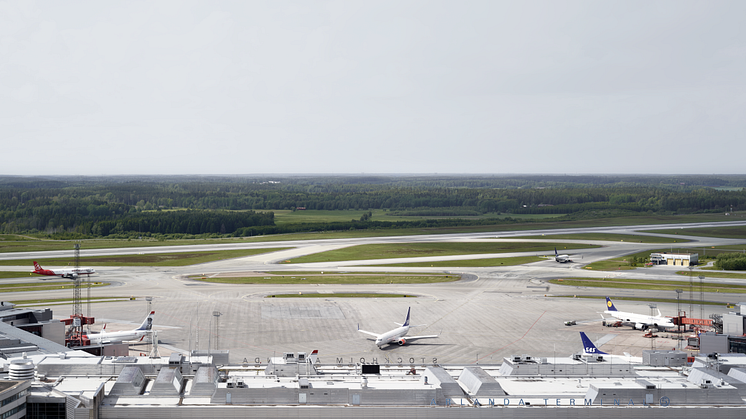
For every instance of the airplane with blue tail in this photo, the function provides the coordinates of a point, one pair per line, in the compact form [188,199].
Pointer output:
[638,321]
[398,335]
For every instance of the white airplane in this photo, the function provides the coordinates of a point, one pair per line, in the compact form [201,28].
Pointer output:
[397,335]
[134,334]
[590,349]
[72,273]
[639,321]
[561,258]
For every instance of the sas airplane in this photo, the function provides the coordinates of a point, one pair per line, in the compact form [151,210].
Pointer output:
[590,349]
[396,335]
[639,321]
[71,273]
[562,258]
[134,334]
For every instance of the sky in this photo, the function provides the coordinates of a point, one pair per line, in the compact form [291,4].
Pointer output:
[350,87]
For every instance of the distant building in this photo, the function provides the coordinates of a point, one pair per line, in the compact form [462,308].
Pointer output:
[674,259]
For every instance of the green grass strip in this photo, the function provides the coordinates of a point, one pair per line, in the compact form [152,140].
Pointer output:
[46,286]
[62,301]
[406,250]
[471,263]
[340,295]
[8,274]
[733,232]
[155,259]
[363,278]
[725,275]
[652,300]
[632,238]
[640,284]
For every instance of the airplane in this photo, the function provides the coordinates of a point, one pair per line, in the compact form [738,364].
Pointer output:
[561,258]
[65,273]
[590,349]
[134,334]
[396,335]
[639,321]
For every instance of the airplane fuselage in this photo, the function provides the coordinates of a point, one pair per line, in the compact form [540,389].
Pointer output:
[98,338]
[393,336]
[641,321]
[71,273]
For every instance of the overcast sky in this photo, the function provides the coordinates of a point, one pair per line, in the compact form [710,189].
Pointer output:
[246,87]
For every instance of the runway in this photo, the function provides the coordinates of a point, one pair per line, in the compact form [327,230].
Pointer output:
[491,313]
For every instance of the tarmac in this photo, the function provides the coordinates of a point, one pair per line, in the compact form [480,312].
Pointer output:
[489,314]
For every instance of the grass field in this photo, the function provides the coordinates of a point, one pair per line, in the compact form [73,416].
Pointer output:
[9,274]
[734,232]
[606,237]
[317,278]
[470,263]
[640,284]
[156,259]
[726,275]
[651,300]
[403,250]
[45,286]
[339,295]
[63,301]
[19,243]
[322,216]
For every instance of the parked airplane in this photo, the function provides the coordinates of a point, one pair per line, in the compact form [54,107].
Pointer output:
[134,334]
[639,321]
[590,349]
[561,258]
[397,335]
[71,273]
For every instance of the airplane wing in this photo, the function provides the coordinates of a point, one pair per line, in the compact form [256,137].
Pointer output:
[413,338]
[366,332]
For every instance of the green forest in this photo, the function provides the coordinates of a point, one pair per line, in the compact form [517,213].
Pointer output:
[123,206]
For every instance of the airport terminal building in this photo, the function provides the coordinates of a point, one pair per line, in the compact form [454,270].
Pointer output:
[52,381]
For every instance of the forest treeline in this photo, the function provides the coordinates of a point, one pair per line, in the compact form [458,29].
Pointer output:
[243,205]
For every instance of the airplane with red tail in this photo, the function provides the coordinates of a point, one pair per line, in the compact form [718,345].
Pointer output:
[71,273]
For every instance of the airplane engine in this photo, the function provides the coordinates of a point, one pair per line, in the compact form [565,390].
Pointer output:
[401,341]
[640,326]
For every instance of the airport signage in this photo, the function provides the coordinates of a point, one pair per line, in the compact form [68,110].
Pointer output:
[373,361]
[663,401]
[507,402]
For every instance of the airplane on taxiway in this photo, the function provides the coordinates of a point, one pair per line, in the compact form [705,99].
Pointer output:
[398,335]
[134,334]
[639,321]
[71,273]
[562,258]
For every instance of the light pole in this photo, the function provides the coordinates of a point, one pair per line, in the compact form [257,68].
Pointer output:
[217,315]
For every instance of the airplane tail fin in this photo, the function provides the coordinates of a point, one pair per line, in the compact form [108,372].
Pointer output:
[406,322]
[37,267]
[589,347]
[148,323]
[555,252]
[610,305]
[314,355]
